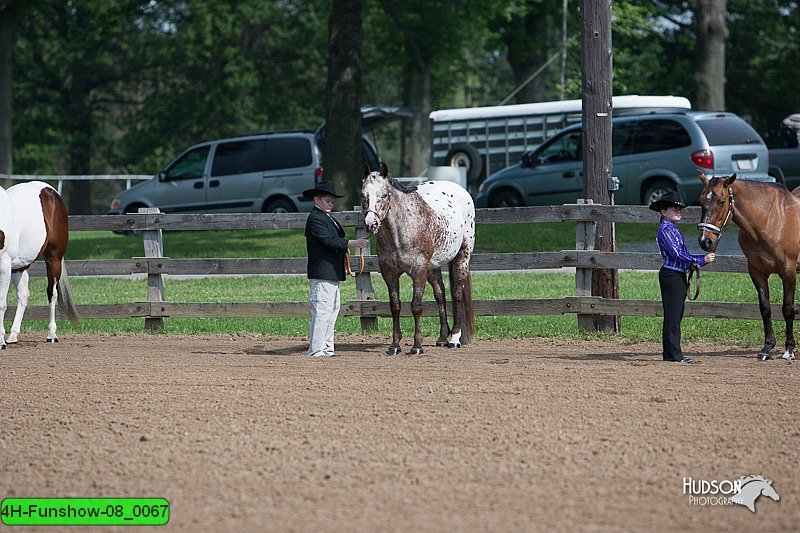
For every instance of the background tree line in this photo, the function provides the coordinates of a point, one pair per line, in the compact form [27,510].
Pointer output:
[120,86]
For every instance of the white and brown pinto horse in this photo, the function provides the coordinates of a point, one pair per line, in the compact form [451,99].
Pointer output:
[33,222]
[419,230]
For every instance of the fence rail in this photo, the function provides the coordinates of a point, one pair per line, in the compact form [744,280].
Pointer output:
[583,259]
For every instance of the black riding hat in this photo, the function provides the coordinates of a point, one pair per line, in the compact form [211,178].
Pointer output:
[667,200]
[323,187]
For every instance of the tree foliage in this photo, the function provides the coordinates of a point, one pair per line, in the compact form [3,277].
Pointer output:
[115,86]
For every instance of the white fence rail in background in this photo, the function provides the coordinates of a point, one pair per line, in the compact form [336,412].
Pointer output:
[127,178]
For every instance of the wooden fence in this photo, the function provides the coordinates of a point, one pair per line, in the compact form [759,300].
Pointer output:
[157,307]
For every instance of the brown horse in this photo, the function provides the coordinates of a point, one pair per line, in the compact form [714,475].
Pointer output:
[768,217]
[420,229]
[33,222]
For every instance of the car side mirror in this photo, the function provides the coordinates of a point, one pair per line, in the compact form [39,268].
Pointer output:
[527,160]
[162,176]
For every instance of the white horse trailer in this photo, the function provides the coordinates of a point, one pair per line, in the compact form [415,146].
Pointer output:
[484,140]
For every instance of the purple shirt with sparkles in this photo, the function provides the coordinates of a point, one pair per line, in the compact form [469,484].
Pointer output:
[673,249]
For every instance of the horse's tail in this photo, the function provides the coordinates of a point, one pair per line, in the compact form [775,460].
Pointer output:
[65,303]
[467,314]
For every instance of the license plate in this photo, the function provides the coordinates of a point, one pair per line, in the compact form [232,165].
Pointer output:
[745,164]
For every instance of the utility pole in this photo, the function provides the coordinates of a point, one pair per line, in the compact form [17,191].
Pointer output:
[596,76]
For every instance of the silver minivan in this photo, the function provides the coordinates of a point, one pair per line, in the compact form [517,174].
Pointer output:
[258,173]
[652,154]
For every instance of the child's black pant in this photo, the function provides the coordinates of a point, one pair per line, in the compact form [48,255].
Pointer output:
[673,298]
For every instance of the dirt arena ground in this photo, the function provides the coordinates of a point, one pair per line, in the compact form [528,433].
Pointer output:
[246,433]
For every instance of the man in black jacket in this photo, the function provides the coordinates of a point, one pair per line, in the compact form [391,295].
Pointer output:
[326,245]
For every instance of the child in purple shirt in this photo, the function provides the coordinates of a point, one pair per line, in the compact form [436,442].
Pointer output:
[672,276]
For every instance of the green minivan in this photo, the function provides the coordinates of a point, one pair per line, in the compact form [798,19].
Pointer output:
[652,154]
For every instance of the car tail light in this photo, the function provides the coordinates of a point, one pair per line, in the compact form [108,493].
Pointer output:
[704,159]
[115,204]
[317,175]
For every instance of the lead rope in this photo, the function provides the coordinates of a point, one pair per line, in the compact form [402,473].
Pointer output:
[349,271]
[693,271]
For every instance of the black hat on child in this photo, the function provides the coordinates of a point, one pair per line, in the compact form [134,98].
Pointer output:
[322,188]
[667,200]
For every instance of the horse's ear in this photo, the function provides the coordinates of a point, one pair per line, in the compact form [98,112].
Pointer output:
[366,170]
[384,170]
[702,177]
[731,179]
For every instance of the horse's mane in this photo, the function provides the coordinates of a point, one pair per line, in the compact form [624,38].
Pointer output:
[745,480]
[402,187]
[779,187]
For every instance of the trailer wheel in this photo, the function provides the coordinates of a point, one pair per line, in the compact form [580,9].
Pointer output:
[465,155]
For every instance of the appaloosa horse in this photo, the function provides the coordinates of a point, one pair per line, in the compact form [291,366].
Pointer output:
[768,217]
[420,229]
[33,222]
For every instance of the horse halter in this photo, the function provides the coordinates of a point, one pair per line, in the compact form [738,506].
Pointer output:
[368,211]
[711,228]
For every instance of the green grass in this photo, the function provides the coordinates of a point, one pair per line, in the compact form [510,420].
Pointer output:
[489,238]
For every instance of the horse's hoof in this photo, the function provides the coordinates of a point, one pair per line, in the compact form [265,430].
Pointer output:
[454,345]
[764,357]
[415,351]
[788,356]
[2,346]
[53,340]
[442,343]
[393,350]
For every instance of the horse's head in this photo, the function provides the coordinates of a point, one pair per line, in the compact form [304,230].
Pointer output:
[770,492]
[717,205]
[376,195]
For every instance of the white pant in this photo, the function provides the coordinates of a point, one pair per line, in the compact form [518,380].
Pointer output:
[323,297]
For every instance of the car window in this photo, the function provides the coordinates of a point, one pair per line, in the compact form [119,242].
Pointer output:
[239,157]
[656,135]
[189,167]
[622,138]
[564,148]
[288,152]
[728,130]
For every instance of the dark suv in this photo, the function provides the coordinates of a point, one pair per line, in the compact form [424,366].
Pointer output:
[259,173]
[652,154]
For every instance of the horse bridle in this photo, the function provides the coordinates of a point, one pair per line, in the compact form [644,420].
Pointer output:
[368,211]
[711,228]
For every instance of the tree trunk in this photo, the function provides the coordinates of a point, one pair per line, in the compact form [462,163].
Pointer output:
[712,33]
[342,155]
[596,131]
[416,133]
[78,120]
[6,101]
[526,40]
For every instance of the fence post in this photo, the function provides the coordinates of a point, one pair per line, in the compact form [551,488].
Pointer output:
[584,240]
[364,289]
[153,249]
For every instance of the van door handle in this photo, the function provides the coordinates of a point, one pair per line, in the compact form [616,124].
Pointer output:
[569,174]
[213,183]
[198,184]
